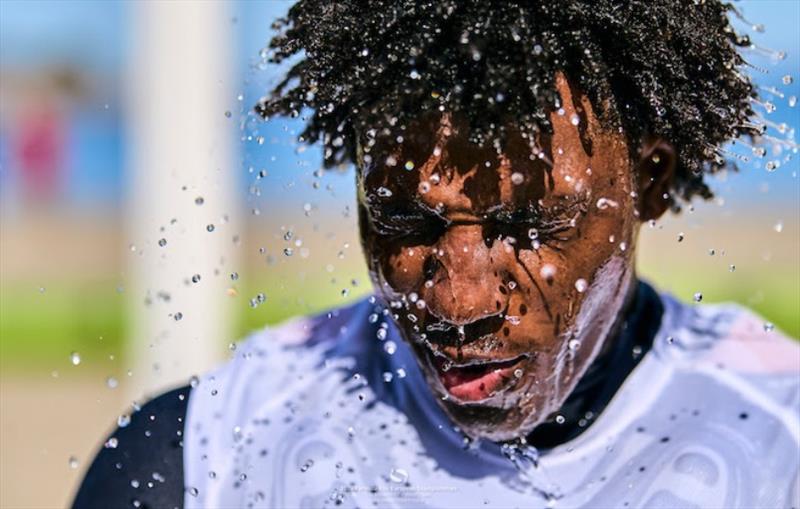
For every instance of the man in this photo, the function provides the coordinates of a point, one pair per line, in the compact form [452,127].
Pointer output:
[506,157]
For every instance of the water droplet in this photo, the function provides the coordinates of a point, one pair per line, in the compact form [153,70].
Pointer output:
[196,278]
[75,358]
[517,178]
[398,476]
[409,165]
[193,491]
[778,227]
[787,80]
[401,373]
[792,101]
[199,200]
[732,268]
[162,242]
[581,285]
[111,443]
[697,297]
[769,327]
[560,419]
[573,344]
[533,234]
[574,119]
[384,192]
[123,420]
[604,203]
[548,272]
[234,276]
[387,376]
[381,334]
[390,347]
[73,462]
[111,382]
[209,228]
[518,373]
[308,464]
[228,114]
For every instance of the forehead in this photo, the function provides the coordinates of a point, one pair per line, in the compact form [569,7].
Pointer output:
[434,164]
[440,169]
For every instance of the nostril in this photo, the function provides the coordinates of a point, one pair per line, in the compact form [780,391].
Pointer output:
[483,327]
[430,267]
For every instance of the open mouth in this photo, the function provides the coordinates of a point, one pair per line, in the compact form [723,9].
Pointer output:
[476,381]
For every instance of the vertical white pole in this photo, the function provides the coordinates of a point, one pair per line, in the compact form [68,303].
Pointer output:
[182,180]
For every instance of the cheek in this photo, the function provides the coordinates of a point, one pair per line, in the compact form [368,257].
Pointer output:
[591,265]
[401,268]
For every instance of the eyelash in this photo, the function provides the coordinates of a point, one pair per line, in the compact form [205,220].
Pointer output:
[548,225]
[407,225]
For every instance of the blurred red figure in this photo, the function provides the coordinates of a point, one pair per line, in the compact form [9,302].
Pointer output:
[39,149]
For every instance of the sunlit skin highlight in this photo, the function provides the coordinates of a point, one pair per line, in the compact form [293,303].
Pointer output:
[507,272]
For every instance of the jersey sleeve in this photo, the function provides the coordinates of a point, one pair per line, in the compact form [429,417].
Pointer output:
[141,463]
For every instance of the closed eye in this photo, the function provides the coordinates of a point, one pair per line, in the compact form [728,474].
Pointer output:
[407,223]
[540,223]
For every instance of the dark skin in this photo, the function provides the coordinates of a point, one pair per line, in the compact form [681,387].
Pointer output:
[507,273]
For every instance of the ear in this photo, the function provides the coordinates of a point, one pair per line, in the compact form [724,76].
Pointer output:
[654,172]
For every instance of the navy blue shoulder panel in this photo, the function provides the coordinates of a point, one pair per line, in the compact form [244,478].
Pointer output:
[145,469]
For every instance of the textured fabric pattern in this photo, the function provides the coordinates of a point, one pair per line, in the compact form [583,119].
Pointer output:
[323,412]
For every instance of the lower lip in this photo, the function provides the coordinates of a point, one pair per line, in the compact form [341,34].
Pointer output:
[476,383]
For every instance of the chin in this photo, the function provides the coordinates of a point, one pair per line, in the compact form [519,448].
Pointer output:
[505,414]
[492,423]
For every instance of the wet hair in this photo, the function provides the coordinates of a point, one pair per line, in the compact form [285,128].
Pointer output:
[666,68]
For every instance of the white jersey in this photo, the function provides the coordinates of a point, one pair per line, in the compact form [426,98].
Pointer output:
[329,411]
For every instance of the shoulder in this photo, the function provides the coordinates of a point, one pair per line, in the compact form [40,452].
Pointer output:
[735,347]
[275,363]
[141,462]
[281,381]
[729,335]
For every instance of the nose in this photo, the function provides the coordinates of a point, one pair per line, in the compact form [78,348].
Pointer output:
[467,278]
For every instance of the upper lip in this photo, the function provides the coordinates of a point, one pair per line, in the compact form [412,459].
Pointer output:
[469,355]
[471,344]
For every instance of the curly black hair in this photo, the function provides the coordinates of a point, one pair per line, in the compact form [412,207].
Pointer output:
[667,68]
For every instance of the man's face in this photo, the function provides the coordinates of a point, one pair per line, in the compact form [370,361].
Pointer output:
[506,272]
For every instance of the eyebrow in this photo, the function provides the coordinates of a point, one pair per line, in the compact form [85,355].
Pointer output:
[571,205]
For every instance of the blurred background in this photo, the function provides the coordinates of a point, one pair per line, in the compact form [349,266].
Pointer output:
[148,220]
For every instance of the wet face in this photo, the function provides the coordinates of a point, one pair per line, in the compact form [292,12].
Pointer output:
[507,272]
